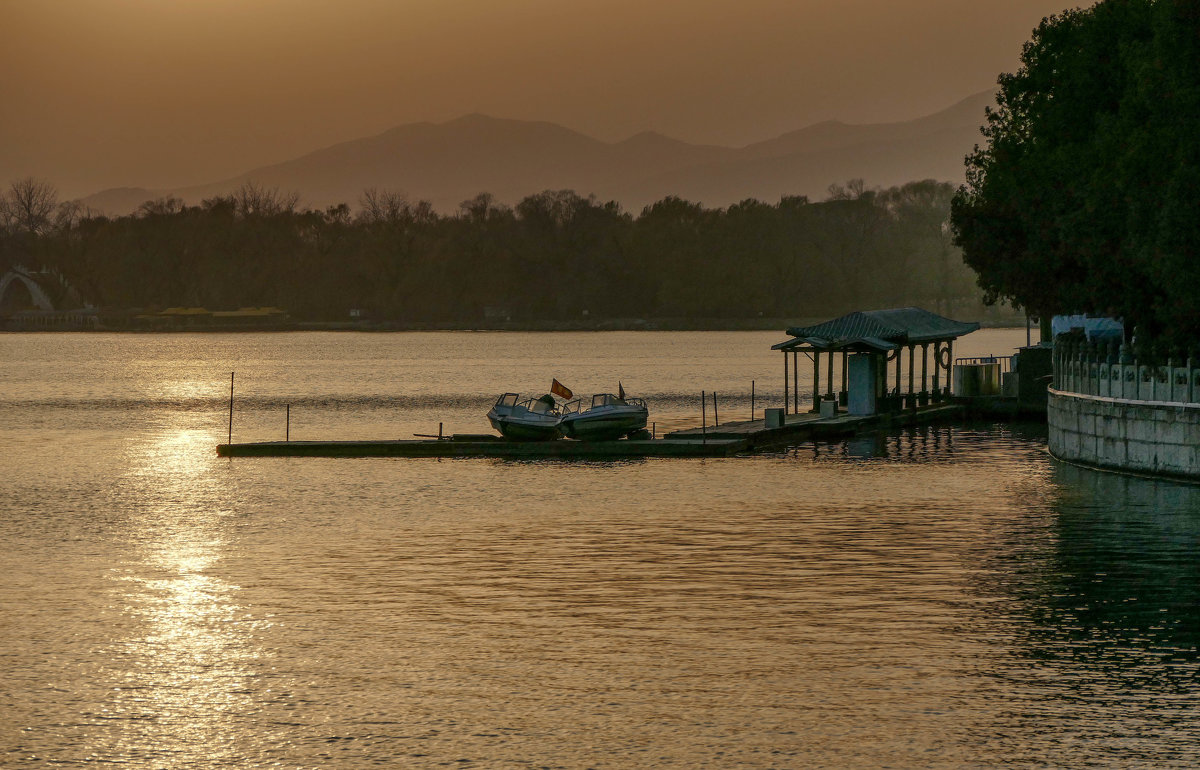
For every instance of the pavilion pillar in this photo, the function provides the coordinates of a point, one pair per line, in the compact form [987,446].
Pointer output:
[899,358]
[816,359]
[795,382]
[937,369]
[949,363]
[925,372]
[829,380]
[785,382]
[844,395]
[912,398]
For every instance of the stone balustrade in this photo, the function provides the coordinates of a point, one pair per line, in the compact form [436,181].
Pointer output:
[1109,370]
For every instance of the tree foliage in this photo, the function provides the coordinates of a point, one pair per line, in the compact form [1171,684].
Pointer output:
[550,258]
[1084,197]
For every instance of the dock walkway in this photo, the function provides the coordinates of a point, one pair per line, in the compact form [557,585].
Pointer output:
[809,426]
[489,446]
[717,441]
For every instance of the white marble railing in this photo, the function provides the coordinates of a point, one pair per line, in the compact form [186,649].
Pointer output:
[1110,371]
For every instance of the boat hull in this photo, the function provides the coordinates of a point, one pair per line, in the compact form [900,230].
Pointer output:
[515,428]
[604,424]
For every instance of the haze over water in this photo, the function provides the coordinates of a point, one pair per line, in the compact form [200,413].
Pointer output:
[942,597]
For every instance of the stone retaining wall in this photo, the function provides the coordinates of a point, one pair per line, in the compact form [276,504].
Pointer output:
[1156,437]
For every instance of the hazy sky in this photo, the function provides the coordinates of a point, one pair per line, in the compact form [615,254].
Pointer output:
[161,93]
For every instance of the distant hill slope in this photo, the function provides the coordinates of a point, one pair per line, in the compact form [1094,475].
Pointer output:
[447,163]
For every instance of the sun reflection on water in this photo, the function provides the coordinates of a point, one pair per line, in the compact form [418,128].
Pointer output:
[184,671]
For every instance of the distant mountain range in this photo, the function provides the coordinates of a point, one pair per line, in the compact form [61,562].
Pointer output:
[447,163]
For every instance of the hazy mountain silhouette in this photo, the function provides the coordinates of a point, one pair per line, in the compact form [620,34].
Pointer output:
[447,163]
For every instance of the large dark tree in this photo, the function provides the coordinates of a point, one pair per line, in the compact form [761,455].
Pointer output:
[1085,196]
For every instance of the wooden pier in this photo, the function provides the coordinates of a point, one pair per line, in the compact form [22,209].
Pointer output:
[730,438]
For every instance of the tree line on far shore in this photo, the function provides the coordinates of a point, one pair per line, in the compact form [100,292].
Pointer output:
[554,256]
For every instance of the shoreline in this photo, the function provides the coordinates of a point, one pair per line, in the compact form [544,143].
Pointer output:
[665,324]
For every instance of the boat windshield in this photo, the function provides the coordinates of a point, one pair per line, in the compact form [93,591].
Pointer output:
[606,399]
[543,405]
[508,399]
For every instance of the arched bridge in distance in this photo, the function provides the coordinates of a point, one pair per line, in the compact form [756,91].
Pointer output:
[20,277]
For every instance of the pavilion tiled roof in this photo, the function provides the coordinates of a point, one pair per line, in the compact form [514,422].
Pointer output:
[879,329]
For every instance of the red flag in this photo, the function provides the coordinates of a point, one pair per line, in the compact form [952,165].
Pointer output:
[560,390]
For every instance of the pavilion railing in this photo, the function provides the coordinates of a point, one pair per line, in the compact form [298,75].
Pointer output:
[1110,370]
[1005,362]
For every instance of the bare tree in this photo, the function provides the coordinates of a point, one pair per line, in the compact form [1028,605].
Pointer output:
[252,200]
[378,206]
[28,205]
[160,206]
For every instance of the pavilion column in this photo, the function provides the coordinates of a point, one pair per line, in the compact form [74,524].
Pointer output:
[899,358]
[816,359]
[829,379]
[925,370]
[937,370]
[949,363]
[795,382]
[844,395]
[912,352]
[785,382]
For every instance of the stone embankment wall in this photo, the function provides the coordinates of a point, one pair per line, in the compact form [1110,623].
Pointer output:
[1155,437]
[1107,410]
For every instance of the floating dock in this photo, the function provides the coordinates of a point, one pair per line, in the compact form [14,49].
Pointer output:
[723,440]
[490,446]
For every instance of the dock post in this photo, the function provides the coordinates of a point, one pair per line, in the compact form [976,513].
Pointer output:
[704,417]
[287,430]
[751,400]
[231,407]
[716,417]
[439,431]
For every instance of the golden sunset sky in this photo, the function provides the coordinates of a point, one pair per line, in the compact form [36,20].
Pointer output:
[105,93]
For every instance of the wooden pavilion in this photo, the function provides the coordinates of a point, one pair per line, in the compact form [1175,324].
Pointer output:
[869,341]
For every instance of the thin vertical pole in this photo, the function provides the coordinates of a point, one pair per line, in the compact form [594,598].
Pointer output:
[751,400]
[716,417]
[231,407]
[439,431]
[704,416]
[829,376]
[287,432]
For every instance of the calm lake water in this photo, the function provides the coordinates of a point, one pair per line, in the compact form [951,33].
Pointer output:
[940,597]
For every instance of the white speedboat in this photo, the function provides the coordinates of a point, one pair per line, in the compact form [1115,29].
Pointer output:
[609,417]
[534,419]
